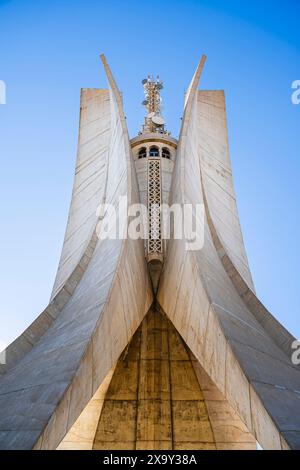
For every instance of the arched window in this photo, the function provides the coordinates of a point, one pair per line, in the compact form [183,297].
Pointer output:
[154,152]
[142,152]
[166,153]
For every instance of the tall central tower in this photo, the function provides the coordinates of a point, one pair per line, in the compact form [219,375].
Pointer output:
[145,344]
[154,153]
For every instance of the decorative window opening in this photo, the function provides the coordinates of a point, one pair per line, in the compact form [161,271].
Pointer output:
[142,152]
[154,206]
[166,153]
[154,152]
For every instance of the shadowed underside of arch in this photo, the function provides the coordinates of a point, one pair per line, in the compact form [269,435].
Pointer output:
[158,398]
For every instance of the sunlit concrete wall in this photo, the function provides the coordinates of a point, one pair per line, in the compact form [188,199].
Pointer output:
[240,346]
[45,392]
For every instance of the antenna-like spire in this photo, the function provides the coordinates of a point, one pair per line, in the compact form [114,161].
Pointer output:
[154,121]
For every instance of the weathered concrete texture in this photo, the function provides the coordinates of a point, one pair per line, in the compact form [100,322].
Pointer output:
[221,210]
[246,382]
[242,353]
[217,176]
[80,239]
[155,399]
[90,179]
[44,393]
[82,433]
[229,431]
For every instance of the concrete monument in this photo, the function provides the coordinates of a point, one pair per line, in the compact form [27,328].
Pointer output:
[146,344]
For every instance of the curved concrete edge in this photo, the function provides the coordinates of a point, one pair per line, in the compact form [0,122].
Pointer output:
[216,174]
[129,300]
[241,357]
[182,141]
[132,187]
[190,94]
[95,103]
[26,341]
[276,331]
[62,372]
[230,433]
[81,435]
[194,315]
[90,180]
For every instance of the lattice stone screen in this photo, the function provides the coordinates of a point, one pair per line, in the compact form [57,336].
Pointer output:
[154,203]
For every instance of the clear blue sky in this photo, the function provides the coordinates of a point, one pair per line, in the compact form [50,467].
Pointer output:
[50,49]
